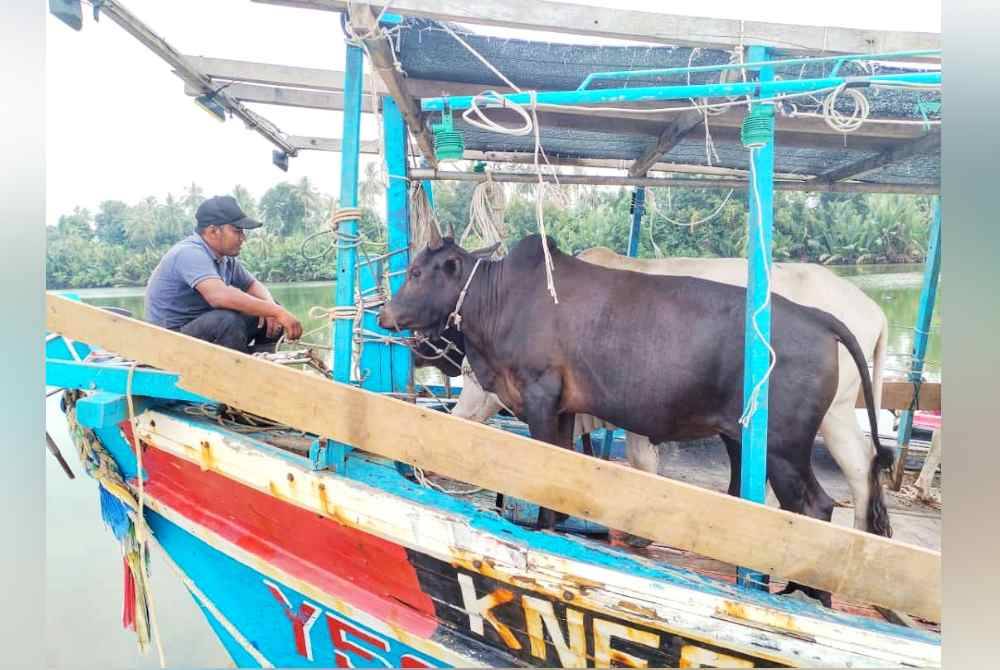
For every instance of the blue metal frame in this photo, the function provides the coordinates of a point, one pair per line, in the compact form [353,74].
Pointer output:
[346,250]
[753,467]
[626,75]
[759,89]
[398,221]
[928,296]
[638,208]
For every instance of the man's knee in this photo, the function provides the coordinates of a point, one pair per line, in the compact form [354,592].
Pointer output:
[224,327]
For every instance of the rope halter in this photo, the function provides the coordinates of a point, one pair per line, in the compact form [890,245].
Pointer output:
[455,316]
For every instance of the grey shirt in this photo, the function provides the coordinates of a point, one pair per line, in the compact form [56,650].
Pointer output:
[171,298]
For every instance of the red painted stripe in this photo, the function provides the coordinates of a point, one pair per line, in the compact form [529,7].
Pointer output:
[365,571]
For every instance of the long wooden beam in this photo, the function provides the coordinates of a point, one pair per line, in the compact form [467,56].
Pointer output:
[282,96]
[302,142]
[252,72]
[378,48]
[652,27]
[851,563]
[929,143]
[606,180]
[668,139]
[159,46]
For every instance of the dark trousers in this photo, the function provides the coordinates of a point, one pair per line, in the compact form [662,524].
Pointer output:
[231,329]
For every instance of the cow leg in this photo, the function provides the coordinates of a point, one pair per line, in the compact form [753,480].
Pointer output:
[855,455]
[541,404]
[797,490]
[735,463]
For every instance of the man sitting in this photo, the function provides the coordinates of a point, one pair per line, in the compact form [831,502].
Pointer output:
[200,289]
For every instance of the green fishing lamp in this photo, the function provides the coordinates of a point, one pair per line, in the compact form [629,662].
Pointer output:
[449,144]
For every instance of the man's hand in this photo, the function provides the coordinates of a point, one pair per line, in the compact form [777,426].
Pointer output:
[273,327]
[286,320]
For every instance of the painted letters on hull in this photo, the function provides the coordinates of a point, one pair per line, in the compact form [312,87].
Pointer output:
[548,632]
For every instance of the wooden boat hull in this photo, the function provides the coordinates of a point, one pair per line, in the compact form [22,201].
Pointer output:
[296,564]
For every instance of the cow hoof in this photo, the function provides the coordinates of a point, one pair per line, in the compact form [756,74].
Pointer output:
[807,594]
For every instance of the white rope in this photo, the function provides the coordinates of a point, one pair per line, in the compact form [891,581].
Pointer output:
[486,215]
[753,404]
[455,316]
[839,121]
[654,211]
[140,525]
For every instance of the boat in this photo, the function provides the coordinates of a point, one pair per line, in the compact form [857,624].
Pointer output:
[353,523]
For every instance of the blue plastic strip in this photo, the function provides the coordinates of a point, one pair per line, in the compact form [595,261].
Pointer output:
[346,251]
[928,296]
[638,206]
[654,93]
[626,75]
[753,469]
[398,218]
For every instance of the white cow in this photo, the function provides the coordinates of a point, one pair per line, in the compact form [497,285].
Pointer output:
[805,283]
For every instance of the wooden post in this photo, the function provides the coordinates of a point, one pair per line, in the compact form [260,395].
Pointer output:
[753,475]
[928,295]
[343,329]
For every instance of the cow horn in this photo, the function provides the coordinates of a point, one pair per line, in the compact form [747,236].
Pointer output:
[486,252]
[451,229]
[434,242]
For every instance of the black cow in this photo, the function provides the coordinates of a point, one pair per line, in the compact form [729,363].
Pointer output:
[660,356]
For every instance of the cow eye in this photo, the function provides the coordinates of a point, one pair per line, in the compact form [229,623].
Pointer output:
[415,273]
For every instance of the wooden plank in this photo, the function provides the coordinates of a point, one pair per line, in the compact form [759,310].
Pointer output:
[329,144]
[655,27]
[843,560]
[929,143]
[668,139]
[605,180]
[285,97]
[173,57]
[897,395]
[273,74]
[379,50]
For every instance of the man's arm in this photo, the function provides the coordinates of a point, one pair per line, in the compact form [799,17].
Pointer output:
[220,296]
[258,290]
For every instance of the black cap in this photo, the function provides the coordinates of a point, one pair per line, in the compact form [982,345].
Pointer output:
[222,209]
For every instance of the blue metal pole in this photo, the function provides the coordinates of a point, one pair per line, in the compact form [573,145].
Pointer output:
[627,75]
[753,466]
[638,206]
[759,89]
[398,218]
[346,252]
[928,295]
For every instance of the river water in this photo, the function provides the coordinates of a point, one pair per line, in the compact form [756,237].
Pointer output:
[84,569]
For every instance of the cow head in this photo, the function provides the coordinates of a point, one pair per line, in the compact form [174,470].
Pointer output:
[433,283]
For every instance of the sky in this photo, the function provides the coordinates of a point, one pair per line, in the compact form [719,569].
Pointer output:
[120,127]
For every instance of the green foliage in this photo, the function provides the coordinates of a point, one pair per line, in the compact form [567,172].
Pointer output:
[121,244]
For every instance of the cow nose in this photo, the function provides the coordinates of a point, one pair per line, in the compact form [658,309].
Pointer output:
[384,321]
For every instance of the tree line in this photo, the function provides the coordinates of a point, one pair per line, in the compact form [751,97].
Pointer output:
[120,244]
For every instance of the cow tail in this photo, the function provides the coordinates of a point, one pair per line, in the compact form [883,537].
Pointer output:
[877,514]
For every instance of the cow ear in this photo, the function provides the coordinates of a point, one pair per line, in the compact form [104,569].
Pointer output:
[453,267]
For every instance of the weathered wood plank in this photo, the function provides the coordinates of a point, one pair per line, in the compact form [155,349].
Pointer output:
[282,96]
[273,74]
[655,27]
[380,51]
[668,139]
[606,180]
[848,562]
[329,144]
[897,395]
[929,143]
